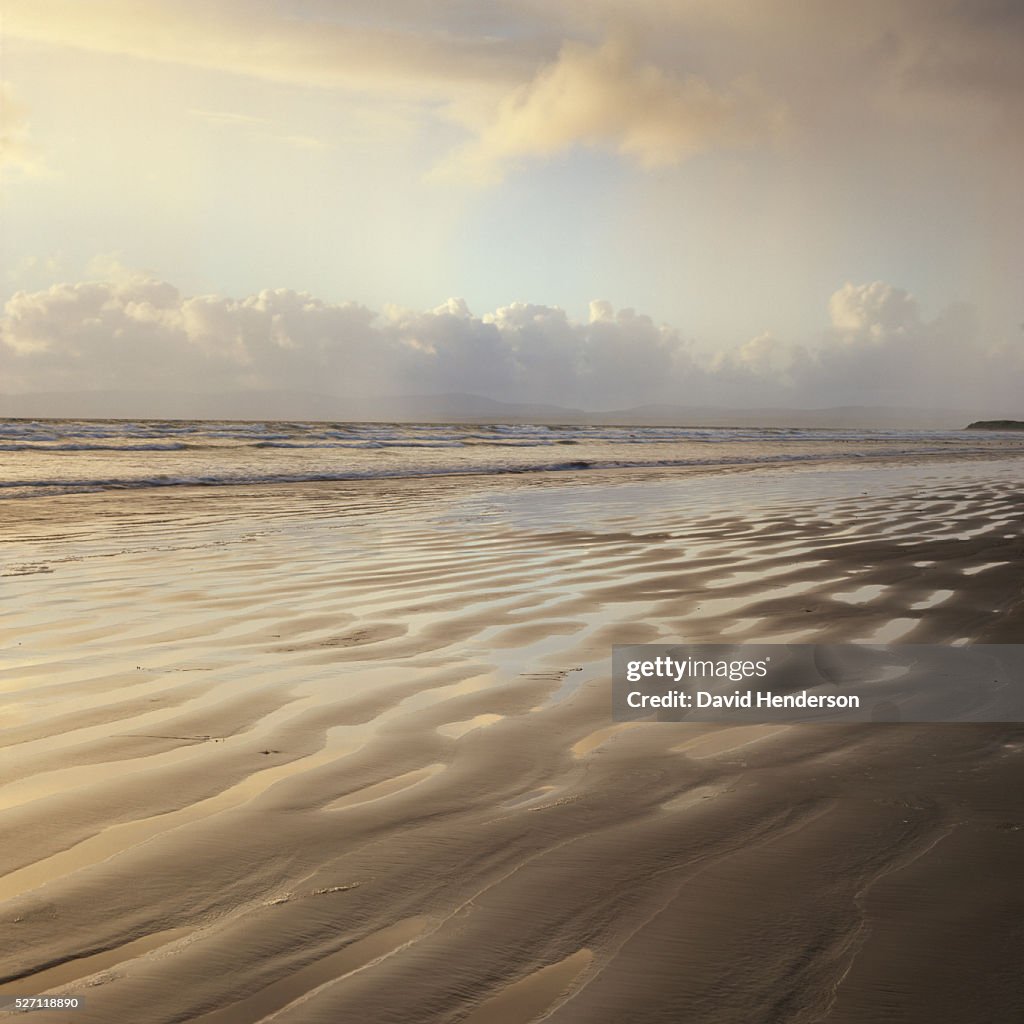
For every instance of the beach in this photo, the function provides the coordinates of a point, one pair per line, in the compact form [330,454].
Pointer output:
[511,513]
[342,749]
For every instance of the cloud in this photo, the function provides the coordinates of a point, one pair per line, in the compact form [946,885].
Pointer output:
[764,355]
[136,332]
[505,88]
[270,42]
[528,81]
[604,96]
[536,66]
[18,157]
[881,346]
[971,49]
[875,311]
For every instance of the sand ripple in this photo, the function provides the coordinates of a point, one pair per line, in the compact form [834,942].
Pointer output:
[345,753]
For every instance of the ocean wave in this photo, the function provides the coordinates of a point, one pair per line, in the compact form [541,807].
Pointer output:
[42,447]
[29,488]
[224,433]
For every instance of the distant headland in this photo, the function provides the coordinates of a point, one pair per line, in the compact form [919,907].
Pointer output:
[996,425]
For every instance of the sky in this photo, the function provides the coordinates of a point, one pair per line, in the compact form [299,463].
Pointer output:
[594,202]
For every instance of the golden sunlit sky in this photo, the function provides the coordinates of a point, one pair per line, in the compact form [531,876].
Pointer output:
[595,201]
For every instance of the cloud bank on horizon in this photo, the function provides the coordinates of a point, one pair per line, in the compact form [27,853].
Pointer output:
[134,332]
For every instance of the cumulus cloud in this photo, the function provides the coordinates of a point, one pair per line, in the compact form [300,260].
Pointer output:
[764,355]
[880,345]
[604,96]
[877,311]
[135,332]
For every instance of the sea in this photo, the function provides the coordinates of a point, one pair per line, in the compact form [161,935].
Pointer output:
[40,458]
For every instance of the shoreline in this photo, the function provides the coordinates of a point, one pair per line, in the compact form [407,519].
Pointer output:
[576,477]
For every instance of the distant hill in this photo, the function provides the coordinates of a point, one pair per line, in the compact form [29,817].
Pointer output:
[456,408]
[848,416]
[996,425]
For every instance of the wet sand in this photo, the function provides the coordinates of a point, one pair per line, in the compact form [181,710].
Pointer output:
[345,752]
